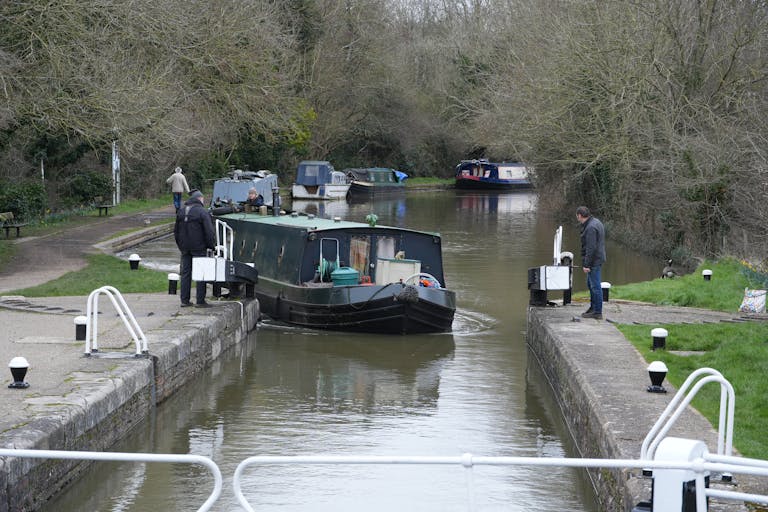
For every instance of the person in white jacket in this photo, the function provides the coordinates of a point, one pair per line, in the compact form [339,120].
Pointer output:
[178,185]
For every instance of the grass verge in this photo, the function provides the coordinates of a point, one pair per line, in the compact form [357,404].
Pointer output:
[738,350]
[102,270]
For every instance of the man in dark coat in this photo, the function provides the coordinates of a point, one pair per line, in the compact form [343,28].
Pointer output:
[194,234]
[592,259]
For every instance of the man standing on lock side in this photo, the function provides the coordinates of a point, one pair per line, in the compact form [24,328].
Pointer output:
[592,259]
[194,235]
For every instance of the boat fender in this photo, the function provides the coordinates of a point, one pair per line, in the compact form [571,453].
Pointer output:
[409,294]
[223,210]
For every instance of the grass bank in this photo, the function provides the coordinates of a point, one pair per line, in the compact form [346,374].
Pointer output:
[102,270]
[738,350]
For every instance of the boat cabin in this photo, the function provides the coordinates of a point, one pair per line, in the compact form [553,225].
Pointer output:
[478,168]
[373,175]
[308,251]
[312,173]
[234,188]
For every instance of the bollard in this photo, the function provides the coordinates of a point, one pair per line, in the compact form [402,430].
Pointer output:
[606,287]
[707,274]
[659,338]
[80,322]
[134,260]
[19,367]
[657,370]
[173,283]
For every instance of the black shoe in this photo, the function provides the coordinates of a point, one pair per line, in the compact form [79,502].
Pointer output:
[587,313]
[596,316]
[186,304]
[203,305]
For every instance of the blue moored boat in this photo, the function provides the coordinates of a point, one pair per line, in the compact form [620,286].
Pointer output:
[482,174]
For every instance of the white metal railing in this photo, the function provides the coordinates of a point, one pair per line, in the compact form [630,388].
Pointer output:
[129,457]
[701,467]
[92,320]
[681,400]
[224,240]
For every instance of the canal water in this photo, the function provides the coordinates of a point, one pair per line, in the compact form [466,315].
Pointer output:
[290,391]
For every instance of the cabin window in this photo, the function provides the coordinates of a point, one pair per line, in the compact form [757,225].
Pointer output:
[359,251]
[255,246]
[311,170]
[385,247]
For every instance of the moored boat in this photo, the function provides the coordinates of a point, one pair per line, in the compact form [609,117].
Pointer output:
[373,181]
[316,179]
[234,188]
[345,276]
[482,174]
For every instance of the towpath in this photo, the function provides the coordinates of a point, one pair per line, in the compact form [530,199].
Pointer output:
[39,259]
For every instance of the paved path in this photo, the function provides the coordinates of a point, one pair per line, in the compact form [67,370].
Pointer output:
[40,259]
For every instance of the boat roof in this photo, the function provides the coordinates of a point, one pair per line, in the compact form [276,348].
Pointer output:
[312,223]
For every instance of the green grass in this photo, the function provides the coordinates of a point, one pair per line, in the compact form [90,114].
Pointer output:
[723,293]
[101,270]
[738,350]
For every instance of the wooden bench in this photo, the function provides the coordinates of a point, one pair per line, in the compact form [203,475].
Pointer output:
[7,223]
[102,206]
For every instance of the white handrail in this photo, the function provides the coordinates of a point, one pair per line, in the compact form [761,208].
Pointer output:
[129,457]
[699,466]
[681,400]
[224,240]
[419,274]
[92,320]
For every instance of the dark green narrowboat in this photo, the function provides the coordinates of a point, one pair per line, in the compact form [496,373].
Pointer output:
[344,276]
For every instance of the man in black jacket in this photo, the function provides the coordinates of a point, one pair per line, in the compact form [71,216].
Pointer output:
[592,259]
[194,234]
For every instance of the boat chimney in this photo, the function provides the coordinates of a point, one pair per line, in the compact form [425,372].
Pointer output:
[275,202]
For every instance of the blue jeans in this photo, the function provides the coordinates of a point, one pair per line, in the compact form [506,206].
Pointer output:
[595,290]
[177,200]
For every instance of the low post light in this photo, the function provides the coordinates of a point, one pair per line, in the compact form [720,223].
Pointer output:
[659,336]
[134,260]
[657,371]
[19,367]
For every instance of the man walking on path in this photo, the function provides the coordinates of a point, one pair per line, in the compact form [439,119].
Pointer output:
[592,259]
[194,234]
[178,184]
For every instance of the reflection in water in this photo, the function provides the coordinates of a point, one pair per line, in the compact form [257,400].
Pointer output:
[295,391]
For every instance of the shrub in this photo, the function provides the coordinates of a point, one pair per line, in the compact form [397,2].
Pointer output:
[26,199]
[84,187]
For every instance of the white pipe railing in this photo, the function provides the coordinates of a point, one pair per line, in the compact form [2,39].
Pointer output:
[224,240]
[700,467]
[681,400]
[92,320]
[130,457]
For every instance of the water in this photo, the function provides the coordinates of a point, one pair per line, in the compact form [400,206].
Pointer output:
[293,391]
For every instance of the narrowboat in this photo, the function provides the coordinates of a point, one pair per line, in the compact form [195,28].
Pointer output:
[234,188]
[482,174]
[374,181]
[317,179]
[344,276]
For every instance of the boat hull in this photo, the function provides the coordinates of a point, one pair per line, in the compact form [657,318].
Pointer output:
[389,309]
[328,191]
[475,183]
[367,189]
